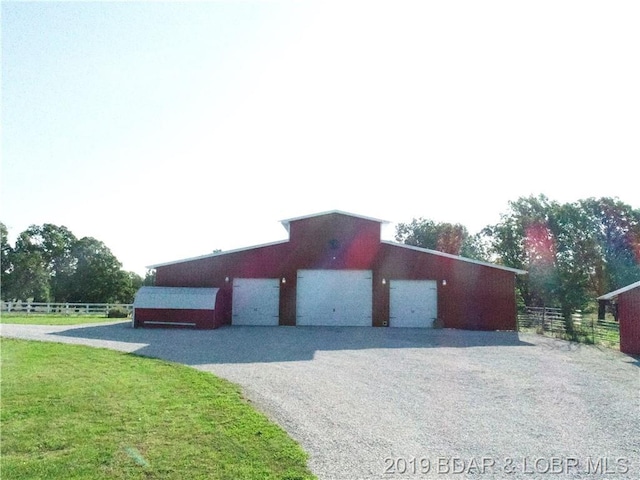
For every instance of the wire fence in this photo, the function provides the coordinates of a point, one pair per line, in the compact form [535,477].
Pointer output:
[64,308]
[579,327]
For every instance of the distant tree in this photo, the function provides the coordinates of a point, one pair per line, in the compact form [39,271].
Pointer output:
[616,226]
[48,263]
[97,276]
[523,239]
[443,237]
[577,257]
[419,233]
[477,247]
[28,278]
[5,259]
[573,252]
[52,244]
[52,241]
[129,284]
[150,278]
[24,274]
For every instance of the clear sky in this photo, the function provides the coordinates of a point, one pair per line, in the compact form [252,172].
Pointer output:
[168,130]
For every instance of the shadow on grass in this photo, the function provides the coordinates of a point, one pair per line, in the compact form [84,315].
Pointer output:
[236,344]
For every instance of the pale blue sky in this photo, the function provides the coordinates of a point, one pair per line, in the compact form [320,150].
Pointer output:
[167,130]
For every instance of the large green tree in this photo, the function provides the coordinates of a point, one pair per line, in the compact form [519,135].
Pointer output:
[524,239]
[28,278]
[48,263]
[97,273]
[52,244]
[452,238]
[616,228]
[577,257]
[574,252]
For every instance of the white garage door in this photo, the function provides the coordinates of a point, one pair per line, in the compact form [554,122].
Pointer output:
[413,303]
[256,301]
[334,297]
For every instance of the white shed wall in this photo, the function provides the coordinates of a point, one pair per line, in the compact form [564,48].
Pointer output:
[176,298]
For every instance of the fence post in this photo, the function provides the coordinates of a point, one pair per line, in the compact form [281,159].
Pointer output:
[593,331]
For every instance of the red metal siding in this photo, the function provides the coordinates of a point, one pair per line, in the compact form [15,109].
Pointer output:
[335,241]
[327,242]
[629,317]
[212,271]
[201,318]
[223,308]
[474,297]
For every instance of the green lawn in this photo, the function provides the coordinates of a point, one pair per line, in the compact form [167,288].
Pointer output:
[52,319]
[77,412]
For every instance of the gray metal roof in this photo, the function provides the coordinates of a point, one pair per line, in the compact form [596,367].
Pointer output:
[615,293]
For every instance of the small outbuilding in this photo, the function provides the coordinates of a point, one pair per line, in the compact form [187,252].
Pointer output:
[335,270]
[626,302]
[177,307]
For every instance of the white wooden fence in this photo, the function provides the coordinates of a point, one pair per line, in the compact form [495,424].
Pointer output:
[64,308]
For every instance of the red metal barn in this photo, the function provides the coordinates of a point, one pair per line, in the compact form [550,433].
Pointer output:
[628,305]
[336,270]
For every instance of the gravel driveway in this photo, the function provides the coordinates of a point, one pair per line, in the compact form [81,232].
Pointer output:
[369,403]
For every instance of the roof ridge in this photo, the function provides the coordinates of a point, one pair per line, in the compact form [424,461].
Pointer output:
[286,221]
[610,295]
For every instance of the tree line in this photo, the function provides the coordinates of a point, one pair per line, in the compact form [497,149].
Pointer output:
[573,252]
[48,263]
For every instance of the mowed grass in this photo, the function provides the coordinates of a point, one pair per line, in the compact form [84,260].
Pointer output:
[51,319]
[77,412]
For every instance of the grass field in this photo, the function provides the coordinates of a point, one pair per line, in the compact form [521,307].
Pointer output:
[77,412]
[52,319]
